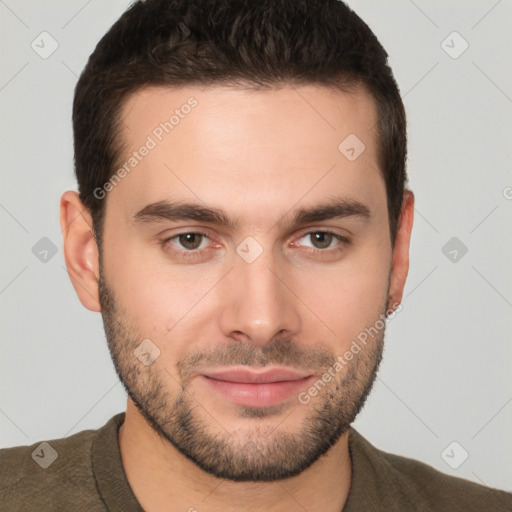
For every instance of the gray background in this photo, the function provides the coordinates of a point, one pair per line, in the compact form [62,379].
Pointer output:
[446,372]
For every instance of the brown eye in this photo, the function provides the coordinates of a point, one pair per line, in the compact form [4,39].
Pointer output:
[190,241]
[323,242]
[321,239]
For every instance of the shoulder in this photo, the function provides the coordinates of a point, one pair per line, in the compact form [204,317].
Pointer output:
[445,492]
[49,475]
[427,488]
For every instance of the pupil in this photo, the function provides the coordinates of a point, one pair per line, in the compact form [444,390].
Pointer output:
[324,239]
[190,240]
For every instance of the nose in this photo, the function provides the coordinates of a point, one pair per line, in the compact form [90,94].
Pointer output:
[258,304]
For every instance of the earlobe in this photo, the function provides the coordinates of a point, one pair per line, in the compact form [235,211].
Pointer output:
[80,249]
[400,267]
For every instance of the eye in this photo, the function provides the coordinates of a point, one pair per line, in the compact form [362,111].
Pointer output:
[322,240]
[191,241]
[194,244]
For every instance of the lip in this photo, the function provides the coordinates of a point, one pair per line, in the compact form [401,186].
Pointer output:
[263,376]
[256,388]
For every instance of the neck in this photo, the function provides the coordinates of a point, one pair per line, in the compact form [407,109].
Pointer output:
[163,479]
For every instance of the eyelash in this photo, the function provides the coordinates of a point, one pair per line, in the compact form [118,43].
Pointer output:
[187,254]
[199,252]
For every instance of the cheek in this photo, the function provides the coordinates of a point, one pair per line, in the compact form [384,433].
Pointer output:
[170,304]
[348,297]
[161,302]
[154,295]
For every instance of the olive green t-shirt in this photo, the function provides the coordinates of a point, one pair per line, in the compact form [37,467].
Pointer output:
[84,472]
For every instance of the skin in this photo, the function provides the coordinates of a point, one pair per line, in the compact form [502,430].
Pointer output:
[259,156]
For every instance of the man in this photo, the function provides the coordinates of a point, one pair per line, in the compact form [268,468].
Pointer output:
[243,226]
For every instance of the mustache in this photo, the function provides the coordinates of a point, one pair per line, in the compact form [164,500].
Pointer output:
[281,352]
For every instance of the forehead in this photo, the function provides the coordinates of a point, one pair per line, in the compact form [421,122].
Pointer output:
[259,149]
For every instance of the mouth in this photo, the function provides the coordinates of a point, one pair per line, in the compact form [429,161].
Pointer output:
[256,388]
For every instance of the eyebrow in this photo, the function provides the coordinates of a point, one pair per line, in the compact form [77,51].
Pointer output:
[334,208]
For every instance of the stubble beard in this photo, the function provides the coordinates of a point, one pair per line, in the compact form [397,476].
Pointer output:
[262,452]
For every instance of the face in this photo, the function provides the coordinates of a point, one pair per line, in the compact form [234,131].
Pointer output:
[244,251]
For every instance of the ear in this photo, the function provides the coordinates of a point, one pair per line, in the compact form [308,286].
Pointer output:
[80,249]
[400,266]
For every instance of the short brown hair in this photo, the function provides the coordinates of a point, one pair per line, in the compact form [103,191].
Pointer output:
[247,43]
